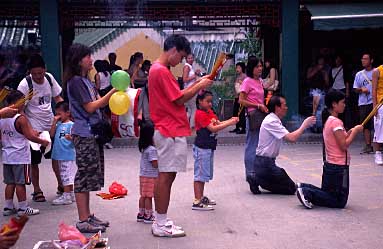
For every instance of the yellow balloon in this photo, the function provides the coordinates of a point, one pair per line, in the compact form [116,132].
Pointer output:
[119,103]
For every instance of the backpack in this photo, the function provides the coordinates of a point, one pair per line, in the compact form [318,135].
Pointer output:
[29,81]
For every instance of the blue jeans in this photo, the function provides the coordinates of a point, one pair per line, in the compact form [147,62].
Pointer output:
[335,187]
[252,138]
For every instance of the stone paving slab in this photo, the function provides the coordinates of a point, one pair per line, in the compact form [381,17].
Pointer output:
[224,138]
[241,220]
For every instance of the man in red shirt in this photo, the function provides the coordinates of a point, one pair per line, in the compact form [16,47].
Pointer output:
[168,114]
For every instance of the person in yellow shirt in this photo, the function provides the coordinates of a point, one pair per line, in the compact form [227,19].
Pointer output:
[377,96]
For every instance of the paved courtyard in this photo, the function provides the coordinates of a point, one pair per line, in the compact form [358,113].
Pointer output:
[241,220]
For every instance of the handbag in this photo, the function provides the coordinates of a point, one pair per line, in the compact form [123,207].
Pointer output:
[102,132]
[255,119]
[272,87]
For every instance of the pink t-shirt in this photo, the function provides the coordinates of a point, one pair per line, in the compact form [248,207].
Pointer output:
[254,90]
[169,118]
[333,153]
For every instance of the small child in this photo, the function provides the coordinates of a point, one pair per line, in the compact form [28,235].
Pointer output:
[15,133]
[206,125]
[148,172]
[63,151]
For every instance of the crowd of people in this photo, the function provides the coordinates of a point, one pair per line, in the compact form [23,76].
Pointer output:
[165,121]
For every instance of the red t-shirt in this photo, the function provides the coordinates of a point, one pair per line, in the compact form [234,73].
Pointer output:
[203,118]
[169,118]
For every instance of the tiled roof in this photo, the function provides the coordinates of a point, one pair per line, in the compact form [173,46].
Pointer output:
[12,36]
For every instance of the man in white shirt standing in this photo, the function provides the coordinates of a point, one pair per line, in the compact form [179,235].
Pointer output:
[39,112]
[363,86]
[268,175]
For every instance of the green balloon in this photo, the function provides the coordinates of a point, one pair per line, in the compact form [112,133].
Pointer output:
[120,80]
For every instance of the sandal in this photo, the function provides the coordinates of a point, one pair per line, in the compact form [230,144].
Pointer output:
[38,196]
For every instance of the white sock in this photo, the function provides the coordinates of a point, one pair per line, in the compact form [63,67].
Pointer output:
[161,219]
[9,204]
[67,195]
[23,205]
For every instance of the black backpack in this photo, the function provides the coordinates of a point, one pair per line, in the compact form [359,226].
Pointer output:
[29,80]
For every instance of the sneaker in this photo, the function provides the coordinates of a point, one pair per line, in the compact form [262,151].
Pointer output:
[201,206]
[255,190]
[303,200]
[97,221]
[168,230]
[28,211]
[9,211]
[140,218]
[207,201]
[298,185]
[89,227]
[170,222]
[379,158]
[63,200]
[108,146]
[148,220]
[367,149]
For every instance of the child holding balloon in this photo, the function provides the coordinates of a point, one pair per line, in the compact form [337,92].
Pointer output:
[148,172]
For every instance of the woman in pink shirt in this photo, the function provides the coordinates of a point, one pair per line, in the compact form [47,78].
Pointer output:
[335,178]
[252,97]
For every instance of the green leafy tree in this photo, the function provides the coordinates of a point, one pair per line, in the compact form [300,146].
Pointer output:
[253,44]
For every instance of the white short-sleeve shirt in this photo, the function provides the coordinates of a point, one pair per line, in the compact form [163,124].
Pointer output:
[270,136]
[39,109]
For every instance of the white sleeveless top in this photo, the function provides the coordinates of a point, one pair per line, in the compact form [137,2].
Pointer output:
[104,80]
[15,145]
[191,73]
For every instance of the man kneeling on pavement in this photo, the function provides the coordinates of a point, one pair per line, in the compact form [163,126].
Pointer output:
[267,174]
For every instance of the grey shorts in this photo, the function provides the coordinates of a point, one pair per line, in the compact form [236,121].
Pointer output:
[90,164]
[172,153]
[16,174]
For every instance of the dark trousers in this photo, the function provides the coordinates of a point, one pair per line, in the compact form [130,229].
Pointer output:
[242,119]
[334,190]
[271,177]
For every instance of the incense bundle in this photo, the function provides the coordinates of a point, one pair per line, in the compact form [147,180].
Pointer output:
[4,93]
[372,113]
[22,101]
[218,65]
[240,110]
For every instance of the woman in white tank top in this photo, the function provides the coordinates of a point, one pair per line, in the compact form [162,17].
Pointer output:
[189,76]
[102,78]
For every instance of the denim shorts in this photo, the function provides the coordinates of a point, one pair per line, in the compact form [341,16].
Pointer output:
[203,164]
[16,174]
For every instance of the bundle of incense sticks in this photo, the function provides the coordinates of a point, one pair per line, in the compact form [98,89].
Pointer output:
[240,110]
[218,65]
[4,93]
[22,101]
[372,113]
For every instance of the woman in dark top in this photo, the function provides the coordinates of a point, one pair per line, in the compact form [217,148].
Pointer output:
[85,104]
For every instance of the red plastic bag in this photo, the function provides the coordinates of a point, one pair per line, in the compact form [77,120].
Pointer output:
[67,232]
[118,189]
